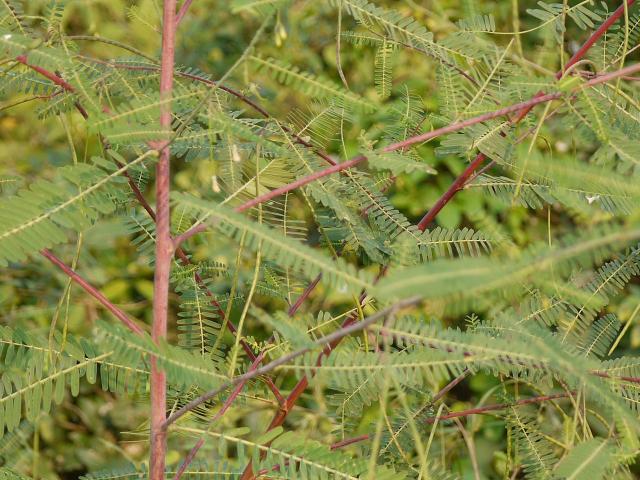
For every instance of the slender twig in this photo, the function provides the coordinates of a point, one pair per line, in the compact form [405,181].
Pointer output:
[164,249]
[464,413]
[349,441]
[497,406]
[464,177]
[450,386]
[143,202]
[108,41]
[91,290]
[323,342]
[454,127]
[338,47]
[433,212]
[227,404]
[183,11]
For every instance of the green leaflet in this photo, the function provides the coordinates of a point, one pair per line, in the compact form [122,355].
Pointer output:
[554,13]
[299,458]
[539,457]
[384,69]
[462,278]
[212,470]
[39,217]
[282,250]
[589,460]
[185,369]
[395,25]
[312,85]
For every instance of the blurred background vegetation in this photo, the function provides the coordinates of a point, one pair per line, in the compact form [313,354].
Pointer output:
[92,431]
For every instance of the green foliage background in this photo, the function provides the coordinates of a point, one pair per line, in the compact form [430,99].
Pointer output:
[98,430]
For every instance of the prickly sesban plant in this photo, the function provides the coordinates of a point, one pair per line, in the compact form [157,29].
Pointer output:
[290,286]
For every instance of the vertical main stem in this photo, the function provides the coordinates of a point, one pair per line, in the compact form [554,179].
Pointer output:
[164,248]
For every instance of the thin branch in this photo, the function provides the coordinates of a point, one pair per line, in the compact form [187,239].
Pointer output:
[149,209]
[456,186]
[453,127]
[183,11]
[497,406]
[275,193]
[464,413]
[227,404]
[91,290]
[108,41]
[480,158]
[450,386]
[164,249]
[323,342]
[338,48]
[350,441]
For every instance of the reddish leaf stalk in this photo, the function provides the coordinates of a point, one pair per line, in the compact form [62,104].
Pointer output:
[94,292]
[164,249]
[228,402]
[464,413]
[55,79]
[301,182]
[460,182]
[143,202]
[183,11]
[433,212]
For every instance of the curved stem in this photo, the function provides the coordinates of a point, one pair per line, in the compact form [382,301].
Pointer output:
[91,290]
[323,342]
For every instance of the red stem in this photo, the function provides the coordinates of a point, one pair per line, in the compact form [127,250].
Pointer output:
[451,191]
[497,406]
[140,197]
[480,158]
[183,11]
[228,402]
[47,74]
[91,290]
[463,413]
[454,127]
[164,248]
[302,384]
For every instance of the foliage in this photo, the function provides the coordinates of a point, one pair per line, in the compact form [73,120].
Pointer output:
[290,353]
